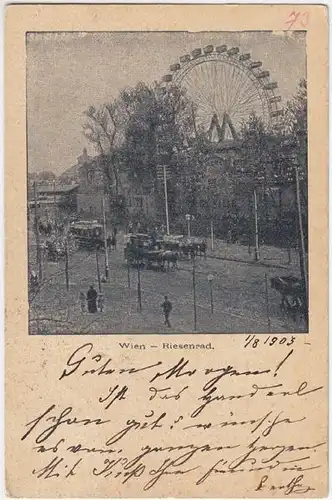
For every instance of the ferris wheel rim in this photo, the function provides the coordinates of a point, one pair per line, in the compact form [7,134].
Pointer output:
[252,70]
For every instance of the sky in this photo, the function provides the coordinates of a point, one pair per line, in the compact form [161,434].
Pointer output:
[68,72]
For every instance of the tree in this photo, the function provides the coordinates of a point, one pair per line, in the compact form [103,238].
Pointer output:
[295,125]
[158,122]
[104,129]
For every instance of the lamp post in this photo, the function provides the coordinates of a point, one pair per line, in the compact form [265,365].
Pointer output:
[98,268]
[194,293]
[302,252]
[166,198]
[36,224]
[256,226]
[189,218]
[210,280]
[139,290]
[105,238]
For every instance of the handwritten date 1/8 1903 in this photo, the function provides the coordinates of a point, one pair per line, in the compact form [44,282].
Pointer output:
[254,341]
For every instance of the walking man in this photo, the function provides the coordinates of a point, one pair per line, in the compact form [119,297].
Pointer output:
[167,307]
[92,300]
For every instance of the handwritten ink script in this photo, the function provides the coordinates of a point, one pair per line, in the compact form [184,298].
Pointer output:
[205,424]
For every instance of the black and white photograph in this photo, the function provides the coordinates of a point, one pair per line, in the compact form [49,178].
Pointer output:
[167,182]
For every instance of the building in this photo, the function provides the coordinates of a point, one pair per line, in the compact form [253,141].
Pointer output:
[92,188]
[71,175]
[94,185]
[54,201]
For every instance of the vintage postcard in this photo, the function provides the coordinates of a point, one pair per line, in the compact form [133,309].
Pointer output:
[166,250]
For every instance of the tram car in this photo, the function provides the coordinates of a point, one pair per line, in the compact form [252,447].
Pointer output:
[87,234]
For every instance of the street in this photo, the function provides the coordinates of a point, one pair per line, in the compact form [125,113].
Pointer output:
[240,301]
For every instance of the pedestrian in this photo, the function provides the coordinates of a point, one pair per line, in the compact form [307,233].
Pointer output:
[167,307]
[82,301]
[92,300]
[113,241]
[100,302]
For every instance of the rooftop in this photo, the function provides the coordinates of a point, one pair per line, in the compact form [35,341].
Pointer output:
[56,188]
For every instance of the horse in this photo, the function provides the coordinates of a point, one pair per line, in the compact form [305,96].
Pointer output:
[170,257]
[200,248]
[192,248]
[292,294]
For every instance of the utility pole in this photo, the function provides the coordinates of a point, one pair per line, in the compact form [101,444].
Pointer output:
[54,202]
[267,304]
[128,273]
[194,292]
[212,236]
[210,280]
[139,293]
[67,264]
[98,270]
[166,198]
[256,226]
[105,240]
[302,253]
[39,262]
[194,119]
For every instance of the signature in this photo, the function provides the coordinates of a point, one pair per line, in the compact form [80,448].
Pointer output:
[295,485]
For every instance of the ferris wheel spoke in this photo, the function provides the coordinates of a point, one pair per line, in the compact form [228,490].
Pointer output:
[234,88]
[248,98]
[202,88]
[198,93]
[247,85]
[250,103]
[219,85]
[246,92]
[217,94]
[228,85]
[203,107]
[251,96]
[210,91]
[233,79]
[239,83]
[221,98]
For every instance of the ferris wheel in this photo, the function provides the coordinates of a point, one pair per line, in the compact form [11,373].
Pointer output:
[226,87]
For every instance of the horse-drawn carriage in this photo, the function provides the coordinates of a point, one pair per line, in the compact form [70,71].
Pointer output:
[292,291]
[142,250]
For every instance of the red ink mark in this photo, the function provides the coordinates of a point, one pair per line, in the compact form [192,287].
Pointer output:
[297,19]
[293,17]
[305,19]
